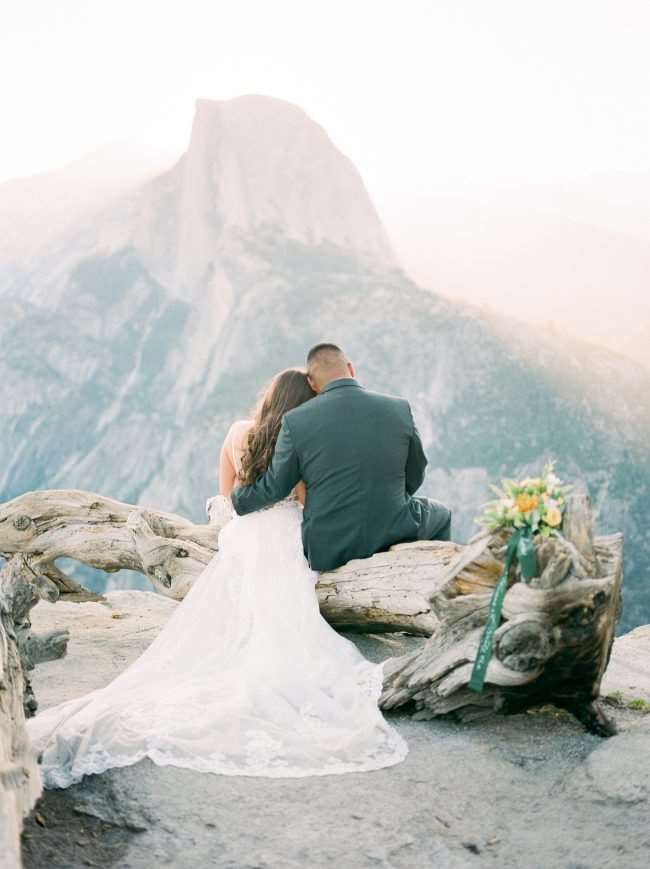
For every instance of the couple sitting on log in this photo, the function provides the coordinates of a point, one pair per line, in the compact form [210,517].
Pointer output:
[353,458]
[247,678]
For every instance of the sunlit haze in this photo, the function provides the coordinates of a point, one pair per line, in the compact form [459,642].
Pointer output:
[503,143]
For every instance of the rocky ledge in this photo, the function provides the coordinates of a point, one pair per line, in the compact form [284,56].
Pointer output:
[531,791]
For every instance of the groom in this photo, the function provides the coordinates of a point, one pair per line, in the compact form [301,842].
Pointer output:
[361,458]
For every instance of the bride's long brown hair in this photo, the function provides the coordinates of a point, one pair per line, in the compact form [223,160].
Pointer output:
[287,390]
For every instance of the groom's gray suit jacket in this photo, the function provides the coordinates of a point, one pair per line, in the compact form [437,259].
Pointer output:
[361,458]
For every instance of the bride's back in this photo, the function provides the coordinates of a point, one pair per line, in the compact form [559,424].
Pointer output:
[238,435]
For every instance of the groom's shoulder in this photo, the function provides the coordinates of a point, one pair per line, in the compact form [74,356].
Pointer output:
[383,405]
[386,396]
[394,401]
[310,410]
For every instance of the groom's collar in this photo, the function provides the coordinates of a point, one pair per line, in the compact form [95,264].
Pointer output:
[339,382]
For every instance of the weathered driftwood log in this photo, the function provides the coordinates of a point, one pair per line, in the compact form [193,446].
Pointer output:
[20,784]
[554,641]
[106,534]
[388,592]
[27,588]
[553,644]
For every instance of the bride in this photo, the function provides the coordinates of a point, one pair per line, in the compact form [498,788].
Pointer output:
[246,677]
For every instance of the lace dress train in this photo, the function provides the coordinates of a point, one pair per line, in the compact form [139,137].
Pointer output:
[246,678]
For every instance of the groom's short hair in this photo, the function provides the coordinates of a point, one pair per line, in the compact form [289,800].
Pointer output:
[325,351]
[326,359]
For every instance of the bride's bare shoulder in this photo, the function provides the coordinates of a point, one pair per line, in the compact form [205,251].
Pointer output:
[238,431]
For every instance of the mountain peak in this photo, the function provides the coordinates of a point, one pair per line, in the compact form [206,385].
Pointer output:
[257,161]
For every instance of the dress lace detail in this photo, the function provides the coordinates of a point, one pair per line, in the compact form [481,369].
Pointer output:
[246,678]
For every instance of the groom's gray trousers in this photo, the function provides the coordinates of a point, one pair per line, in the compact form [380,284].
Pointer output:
[434,519]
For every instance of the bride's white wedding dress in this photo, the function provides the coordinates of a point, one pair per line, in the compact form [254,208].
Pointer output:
[246,678]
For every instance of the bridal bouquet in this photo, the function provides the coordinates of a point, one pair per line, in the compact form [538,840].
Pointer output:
[536,504]
[528,507]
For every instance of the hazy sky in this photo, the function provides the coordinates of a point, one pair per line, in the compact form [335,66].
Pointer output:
[433,101]
[416,93]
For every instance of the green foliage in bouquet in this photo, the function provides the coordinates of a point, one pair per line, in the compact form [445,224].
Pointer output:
[537,503]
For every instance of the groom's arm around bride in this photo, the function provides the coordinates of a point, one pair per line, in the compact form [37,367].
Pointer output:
[360,456]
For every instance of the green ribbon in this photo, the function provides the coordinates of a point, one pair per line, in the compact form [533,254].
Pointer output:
[520,546]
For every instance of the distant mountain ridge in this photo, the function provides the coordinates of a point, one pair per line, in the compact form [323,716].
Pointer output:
[540,265]
[36,210]
[126,353]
